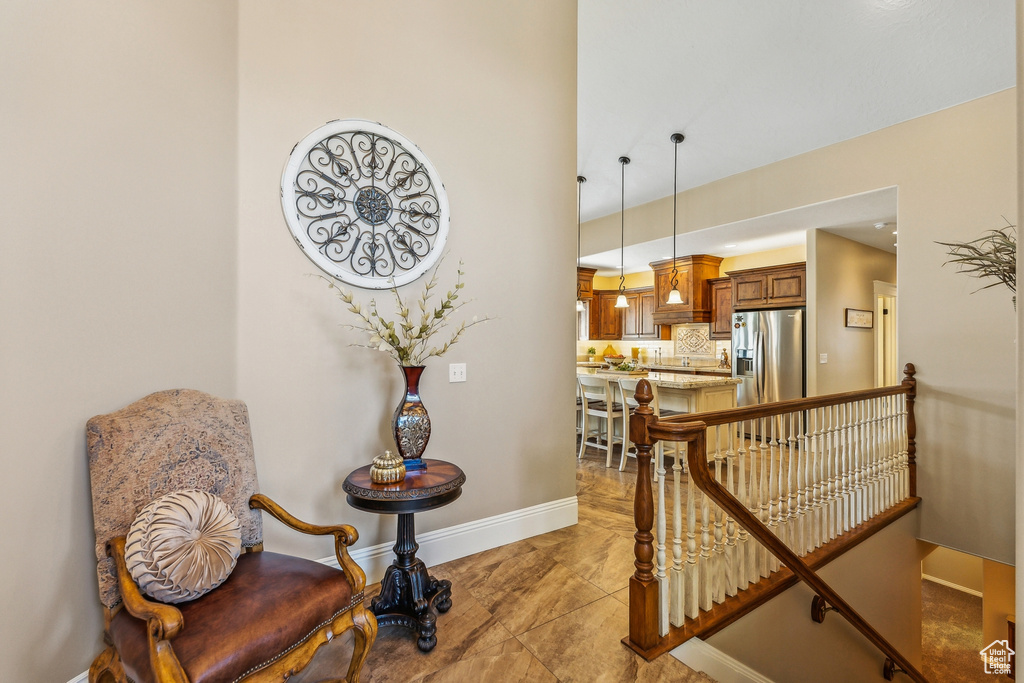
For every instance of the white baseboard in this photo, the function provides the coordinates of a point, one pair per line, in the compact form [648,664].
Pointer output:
[445,545]
[954,586]
[700,656]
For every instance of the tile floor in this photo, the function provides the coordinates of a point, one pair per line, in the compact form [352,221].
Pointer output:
[547,608]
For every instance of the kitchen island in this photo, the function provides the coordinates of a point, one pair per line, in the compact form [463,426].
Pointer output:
[679,392]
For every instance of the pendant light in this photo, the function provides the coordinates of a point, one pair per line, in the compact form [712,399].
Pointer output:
[579,232]
[673,296]
[620,300]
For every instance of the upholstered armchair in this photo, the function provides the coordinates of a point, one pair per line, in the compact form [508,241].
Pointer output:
[272,612]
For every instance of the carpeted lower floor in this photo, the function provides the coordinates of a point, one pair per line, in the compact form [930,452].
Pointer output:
[951,636]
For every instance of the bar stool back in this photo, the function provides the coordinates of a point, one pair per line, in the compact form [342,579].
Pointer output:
[599,402]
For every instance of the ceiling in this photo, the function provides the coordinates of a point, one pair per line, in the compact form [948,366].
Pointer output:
[751,83]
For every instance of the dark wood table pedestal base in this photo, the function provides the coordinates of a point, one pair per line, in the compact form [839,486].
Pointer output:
[409,596]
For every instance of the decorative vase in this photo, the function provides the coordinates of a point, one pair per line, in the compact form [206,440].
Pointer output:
[412,424]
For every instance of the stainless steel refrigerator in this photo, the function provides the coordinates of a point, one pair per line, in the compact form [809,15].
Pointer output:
[768,355]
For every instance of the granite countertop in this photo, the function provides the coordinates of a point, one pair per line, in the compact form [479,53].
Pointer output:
[670,380]
[673,367]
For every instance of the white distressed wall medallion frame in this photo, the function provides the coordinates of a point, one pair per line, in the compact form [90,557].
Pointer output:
[365,204]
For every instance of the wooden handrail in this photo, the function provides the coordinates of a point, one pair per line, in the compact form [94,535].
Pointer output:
[646,430]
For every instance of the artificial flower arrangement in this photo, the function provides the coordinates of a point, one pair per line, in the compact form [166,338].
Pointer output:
[404,338]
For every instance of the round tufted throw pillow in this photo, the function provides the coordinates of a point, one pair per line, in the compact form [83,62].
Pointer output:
[182,545]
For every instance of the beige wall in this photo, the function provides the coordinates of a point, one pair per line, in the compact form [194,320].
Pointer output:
[880,578]
[841,275]
[631,280]
[956,175]
[130,266]
[759,259]
[954,567]
[997,600]
[117,273]
[481,88]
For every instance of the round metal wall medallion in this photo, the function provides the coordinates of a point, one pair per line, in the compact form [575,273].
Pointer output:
[365,204]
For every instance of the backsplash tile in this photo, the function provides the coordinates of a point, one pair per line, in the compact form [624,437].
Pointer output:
[693,340]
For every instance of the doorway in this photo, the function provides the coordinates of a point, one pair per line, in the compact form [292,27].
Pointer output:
[886,363]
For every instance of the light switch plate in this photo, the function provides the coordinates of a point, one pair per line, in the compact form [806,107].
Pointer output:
[822,358]
[456,372]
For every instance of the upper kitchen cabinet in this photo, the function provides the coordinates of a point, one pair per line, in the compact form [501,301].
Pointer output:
[693,273]
[634,322]
[585,282]
[638,322]
[605,320]
[770,287]
[721,307]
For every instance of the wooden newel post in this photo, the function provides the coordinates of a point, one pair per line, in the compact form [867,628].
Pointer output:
[908,381]
[643,589]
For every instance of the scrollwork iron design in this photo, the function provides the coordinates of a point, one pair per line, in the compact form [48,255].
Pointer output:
[365,204]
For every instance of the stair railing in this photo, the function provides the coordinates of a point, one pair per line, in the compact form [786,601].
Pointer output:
[787,485]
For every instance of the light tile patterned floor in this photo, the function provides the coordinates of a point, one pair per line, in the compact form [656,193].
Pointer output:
[547,608]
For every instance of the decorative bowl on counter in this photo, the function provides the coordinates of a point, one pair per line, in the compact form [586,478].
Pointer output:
[614,360]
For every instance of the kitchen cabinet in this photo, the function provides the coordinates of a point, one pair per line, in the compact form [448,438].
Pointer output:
[638,321]
[605,320]
[782,286]
[585,283]
[632,323]
[721,307]
[693,273]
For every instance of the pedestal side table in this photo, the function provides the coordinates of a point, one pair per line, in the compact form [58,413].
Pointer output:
[409,596]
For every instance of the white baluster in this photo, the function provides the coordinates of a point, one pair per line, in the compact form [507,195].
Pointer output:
[863,464]
[704,561]
[718,562]
[844,481]
[774,510]
[832,470]
[904,446]
[764,561]
[662,576]
[744,552]
[794,537]
[676,575]
[691,604]
[817,478]
[803,486]
[732,549]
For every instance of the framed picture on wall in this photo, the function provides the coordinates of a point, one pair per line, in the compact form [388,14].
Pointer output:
[856,317]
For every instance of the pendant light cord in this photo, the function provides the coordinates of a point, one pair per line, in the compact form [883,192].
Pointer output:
[579,231]
[676,139]
[622,227]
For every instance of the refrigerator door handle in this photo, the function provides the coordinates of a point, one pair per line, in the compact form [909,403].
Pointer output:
[759,361]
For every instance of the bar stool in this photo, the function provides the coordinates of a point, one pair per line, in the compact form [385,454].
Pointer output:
[579,410]
[628,389]
[599,401]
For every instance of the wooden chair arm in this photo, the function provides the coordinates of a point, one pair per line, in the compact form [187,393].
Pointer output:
[344,536]
[164,621]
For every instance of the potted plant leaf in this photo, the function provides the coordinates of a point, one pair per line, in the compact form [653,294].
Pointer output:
[993,255]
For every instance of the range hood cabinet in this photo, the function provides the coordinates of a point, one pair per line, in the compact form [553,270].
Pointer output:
[693,273]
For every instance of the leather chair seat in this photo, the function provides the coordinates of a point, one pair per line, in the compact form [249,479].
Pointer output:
[270,604]
[603,405]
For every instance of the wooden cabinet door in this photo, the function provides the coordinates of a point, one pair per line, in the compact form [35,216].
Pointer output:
[787,287]
[631,320]
[609,318]
[648,302]
[663,285]
[749,290]
[721,308]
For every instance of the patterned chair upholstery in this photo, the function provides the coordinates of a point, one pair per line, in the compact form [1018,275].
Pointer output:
[266,621]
